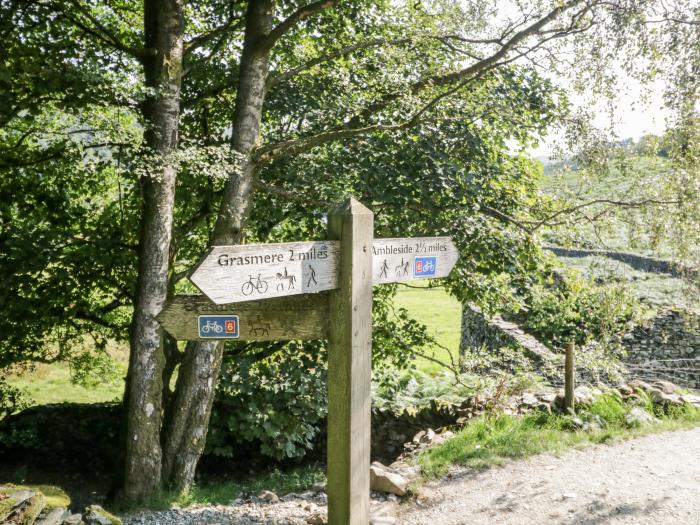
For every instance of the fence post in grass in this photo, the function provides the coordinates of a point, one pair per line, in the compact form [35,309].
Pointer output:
[569,377]
[349,363]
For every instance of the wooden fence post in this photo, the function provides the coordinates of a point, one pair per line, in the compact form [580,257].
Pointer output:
[349,367]
[569,377]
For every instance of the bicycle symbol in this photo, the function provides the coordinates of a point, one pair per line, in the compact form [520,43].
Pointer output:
[428,266]
[253,285]
[212,326]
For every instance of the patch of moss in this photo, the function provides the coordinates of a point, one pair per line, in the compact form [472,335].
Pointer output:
[99,511]
[55,496]
[32,508]
[5,507]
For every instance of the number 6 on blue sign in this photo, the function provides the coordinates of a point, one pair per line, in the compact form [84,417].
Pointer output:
[424,266]
[218,326]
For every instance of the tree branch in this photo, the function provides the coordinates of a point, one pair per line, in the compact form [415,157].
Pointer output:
[357,125]
[100,31]
[295,18]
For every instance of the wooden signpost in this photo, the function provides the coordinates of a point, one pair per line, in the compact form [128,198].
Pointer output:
[239,281]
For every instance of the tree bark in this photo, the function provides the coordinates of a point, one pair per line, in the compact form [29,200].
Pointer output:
[189,415]
[164,28]
[185,431]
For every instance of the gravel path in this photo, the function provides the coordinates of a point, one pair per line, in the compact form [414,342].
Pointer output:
[651,480]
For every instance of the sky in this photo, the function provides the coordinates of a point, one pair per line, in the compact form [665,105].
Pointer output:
[639,111]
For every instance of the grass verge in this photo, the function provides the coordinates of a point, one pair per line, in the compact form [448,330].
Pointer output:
[490,440]
[280,482]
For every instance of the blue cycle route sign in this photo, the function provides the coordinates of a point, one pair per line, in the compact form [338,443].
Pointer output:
[218,326]
[424,266]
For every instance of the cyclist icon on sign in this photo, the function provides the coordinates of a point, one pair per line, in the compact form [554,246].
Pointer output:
[254,285]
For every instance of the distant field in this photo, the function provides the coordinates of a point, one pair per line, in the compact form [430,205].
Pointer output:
[52,384]
[441,313]
[624,229]
[430,306]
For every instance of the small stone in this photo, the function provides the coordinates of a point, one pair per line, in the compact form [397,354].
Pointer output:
[318,518]
[382,520]
[660,397]
[529,399]
[665,386]
[429,437]
[625,390]
[96,515]
[638,416]
[52,517]
[419,436]
[640,385]
[568,495]
[691,399]
[382,479]
[269,496]
[318,487]
[73,519]
[583,396]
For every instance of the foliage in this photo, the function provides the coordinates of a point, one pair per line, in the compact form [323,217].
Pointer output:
[277,402]
[76,437]
[490,440]
[417,391]
[565,307]
[12,399]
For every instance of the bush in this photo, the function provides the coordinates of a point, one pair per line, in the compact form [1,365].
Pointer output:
[567,307]
[12,399]
[73,436]
[275,403]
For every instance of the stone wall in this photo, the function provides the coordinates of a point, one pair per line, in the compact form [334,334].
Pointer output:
[481,335]
[666,347]
[636,261]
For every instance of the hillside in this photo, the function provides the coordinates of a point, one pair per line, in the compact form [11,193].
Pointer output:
[638,253]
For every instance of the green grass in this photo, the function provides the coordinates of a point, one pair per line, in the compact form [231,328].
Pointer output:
[52,384]
[441,313]
[489,441]
[280,482]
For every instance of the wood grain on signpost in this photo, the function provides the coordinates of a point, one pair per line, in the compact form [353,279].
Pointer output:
[349,367]
[286,318]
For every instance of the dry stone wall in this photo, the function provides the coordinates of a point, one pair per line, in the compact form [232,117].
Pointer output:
[667,347]
[481,335]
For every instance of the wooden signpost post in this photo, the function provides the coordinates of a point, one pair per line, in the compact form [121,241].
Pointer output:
[239,283]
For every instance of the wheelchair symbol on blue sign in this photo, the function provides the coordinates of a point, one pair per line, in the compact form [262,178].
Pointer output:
[424,266]
[218,326]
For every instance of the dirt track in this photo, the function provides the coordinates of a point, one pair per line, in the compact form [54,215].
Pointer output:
[651,480]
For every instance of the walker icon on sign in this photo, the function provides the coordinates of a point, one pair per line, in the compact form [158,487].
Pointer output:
[218,326]
[424,266]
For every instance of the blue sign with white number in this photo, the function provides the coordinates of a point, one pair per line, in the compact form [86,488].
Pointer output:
[218,326]
[424,266]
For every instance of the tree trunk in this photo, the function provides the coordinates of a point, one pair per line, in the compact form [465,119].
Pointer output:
[164,27]
[185,431]
[191,409]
